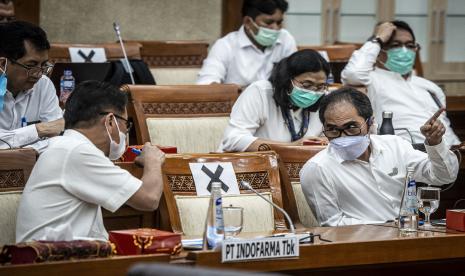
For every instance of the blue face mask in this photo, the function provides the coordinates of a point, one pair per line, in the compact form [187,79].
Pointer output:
[400,60]
[350,147]
[265,36]
[3,82]
[304,98]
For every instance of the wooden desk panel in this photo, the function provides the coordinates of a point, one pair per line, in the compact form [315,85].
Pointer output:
[353,246]
[113,266]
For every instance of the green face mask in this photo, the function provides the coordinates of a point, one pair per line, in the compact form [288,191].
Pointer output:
[265,36]
[400,60]
[304,98]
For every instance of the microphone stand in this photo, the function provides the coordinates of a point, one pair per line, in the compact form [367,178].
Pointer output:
[288,218]
[128,66]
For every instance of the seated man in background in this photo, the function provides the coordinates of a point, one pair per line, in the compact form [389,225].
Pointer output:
[384,65]
[359,178]
[74,177]
[248,55]
[7,11]
[29,109]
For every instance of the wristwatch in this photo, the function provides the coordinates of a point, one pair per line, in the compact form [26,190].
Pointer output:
[378,40]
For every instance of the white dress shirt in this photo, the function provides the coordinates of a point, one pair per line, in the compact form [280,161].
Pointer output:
[256,115]
[409,100]
[37,104]
[358,192]
[235,59]
[67,186]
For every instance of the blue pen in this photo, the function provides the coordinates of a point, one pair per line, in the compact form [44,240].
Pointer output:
[136,151]
[23,122]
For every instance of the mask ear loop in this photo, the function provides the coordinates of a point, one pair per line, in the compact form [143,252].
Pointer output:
[106,127]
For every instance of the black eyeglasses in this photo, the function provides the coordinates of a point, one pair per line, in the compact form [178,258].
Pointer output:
[128,123]
[35,71]
[350,130]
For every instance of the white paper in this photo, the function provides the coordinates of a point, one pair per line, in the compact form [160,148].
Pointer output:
[324,54]
[99,54]
[202,179]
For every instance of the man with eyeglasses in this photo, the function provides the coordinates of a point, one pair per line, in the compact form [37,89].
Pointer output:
[384,65]
[74,177]
[29,108]
[359,177]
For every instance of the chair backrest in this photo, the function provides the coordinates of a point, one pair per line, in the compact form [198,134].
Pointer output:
[175,75]
[15,167]
[174,54]
[190,117]
[59,51]
[291,161]
[260,169]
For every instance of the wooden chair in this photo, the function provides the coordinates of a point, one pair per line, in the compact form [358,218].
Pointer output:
[15,168]
[260,169]
[291,161]
[59,51]
[190,117]
[338,55]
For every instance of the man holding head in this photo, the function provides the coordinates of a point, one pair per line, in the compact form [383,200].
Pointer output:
[359,178]
[74,177]
[7,11]
[384,65]
[248,55]
[29,108]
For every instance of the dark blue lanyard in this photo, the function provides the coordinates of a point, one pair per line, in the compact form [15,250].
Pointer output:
[290,123]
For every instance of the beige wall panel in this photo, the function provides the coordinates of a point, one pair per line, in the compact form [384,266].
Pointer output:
[90,21]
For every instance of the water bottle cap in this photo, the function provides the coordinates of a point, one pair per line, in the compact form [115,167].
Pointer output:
[216,185]
[387,114]
[68,72]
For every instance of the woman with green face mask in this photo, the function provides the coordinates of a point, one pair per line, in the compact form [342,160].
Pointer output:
[283,109]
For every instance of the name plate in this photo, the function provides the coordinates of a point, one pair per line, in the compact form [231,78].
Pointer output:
[258,249]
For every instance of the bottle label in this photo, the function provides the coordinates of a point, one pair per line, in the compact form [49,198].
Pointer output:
[68,84]
[219,214]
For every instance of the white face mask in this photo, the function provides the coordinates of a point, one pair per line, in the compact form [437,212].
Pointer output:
[350,147]
[117,150]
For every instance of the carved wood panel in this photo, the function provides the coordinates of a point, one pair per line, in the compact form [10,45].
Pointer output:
[187,108]
[293,169]
[174,61]
[12,179]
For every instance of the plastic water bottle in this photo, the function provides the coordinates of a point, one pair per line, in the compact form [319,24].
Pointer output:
[408,215]
[386,126]
[67,84]
[214,232]
[330,79]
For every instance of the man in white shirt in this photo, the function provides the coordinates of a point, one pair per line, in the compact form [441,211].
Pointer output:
[384,65]
[74,177]
[248,55]
[29,109]
[359,178]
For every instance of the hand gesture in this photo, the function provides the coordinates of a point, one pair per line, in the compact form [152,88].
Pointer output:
[384,31]
[433,129]
[150,155]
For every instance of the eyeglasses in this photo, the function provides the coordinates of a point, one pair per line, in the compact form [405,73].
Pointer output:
[409,45]
[350,130]
[34,71]
[128,123]
[312,86]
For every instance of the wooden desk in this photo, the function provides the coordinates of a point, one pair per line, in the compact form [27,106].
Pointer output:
[113,266]
[360,250]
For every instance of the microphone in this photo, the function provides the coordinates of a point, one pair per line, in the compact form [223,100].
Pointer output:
[128,66]
[291,224]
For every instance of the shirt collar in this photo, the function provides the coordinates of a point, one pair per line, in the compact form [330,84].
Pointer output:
[394,75]
[376,149]
[77,135]
[244,40]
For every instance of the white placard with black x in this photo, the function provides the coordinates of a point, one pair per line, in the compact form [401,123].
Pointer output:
[87,54]
[205,174]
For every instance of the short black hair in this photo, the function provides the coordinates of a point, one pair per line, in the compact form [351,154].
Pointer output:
[254,8]
[89,99]
[402,25]
[288,68]
[350,95]
[14,34]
